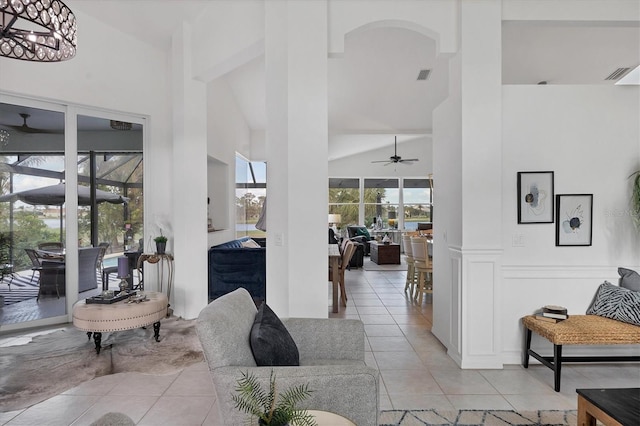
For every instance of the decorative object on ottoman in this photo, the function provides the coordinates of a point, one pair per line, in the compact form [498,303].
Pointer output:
[270,408]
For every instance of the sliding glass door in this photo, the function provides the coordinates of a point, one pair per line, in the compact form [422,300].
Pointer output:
[36,245]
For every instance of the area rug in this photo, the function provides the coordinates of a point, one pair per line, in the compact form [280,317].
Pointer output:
[18,289]
[368,265]
[478,417]
[58,361]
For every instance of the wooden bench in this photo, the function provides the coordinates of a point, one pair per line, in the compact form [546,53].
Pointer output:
[578,330]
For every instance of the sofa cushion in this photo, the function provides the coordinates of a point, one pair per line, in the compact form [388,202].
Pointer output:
[250,243]
[629,279]
[271,343]
[616,303]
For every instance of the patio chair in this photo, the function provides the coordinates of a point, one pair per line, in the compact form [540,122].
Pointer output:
[36,263]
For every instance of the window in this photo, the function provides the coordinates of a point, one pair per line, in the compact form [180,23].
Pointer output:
[344,199]
[381,201]
[417,201]
[384,198]
[251,192]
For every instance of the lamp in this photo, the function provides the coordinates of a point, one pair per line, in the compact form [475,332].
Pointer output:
[37,30]
[333,220]
[123,272]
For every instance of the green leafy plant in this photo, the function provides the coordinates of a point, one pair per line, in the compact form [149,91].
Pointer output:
[270,409]
[635,198]
[160,239]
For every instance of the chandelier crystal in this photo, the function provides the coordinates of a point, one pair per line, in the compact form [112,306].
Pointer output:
[4,137]
[37,30]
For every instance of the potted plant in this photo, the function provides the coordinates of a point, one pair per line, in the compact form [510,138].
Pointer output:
[269,408]
[161,243]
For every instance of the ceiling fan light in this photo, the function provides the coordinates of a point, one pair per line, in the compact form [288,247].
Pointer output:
[120,125]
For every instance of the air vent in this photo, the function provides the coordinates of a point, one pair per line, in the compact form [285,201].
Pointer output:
[424,74]
[618,73]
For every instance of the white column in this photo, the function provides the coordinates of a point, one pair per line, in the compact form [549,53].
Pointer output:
[297,153]
[481,85]
[189,203]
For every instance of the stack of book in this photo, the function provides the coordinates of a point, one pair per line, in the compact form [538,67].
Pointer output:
[552,313]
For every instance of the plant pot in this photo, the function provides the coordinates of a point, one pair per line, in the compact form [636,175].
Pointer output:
[161,247]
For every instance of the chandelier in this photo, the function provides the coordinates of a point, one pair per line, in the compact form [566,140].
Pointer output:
[37,30]
[120,125]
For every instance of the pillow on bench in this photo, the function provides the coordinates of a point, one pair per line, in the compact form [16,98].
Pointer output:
[629,279]
[616,303]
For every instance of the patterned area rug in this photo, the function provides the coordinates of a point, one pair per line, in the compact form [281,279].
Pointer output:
[478,417]
[18,289]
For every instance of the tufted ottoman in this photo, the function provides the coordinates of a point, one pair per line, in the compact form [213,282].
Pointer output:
[98,318]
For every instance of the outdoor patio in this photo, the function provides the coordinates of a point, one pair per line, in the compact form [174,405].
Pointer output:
[20,302]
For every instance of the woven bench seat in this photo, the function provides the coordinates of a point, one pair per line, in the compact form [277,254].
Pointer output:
[578,330]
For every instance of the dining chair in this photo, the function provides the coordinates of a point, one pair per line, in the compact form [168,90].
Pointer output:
[423,266]
[411,269]
[348,248]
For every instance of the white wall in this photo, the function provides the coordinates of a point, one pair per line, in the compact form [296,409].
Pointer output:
[447,218]
[116,73]
[587,135]
[227,132]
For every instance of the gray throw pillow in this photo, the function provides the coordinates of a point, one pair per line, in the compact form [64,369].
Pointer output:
[629,279]
[271,342]
[616,303]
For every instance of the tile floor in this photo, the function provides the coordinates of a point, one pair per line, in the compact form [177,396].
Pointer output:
[414,368]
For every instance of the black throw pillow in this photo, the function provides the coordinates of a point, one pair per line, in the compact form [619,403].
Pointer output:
[270,341]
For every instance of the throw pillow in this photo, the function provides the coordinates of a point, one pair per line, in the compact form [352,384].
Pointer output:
[250,244]
[629,279]
[270,341]
[617,303]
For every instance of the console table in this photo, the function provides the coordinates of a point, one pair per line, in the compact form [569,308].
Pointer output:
[609,406]
[384,254]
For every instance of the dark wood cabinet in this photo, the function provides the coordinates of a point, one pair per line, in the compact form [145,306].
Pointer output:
[385,254]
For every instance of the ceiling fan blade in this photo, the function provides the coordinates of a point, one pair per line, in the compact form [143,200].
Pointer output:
[409,160]
[380,161]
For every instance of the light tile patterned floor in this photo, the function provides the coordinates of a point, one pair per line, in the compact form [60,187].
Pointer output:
[415,372]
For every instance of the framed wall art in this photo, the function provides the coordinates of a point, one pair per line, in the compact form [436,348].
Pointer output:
[574,224]
[535,197]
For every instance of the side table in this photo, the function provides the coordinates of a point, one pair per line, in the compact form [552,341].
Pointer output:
[609,406]
[98,318]
[161,261]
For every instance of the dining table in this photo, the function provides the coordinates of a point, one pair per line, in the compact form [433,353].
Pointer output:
[334,263]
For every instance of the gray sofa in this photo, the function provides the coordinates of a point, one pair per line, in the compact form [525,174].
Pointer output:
[331,360]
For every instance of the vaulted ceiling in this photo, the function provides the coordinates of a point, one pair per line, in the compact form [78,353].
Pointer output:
[374,91]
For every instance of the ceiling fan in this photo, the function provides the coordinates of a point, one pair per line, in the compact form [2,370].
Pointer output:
[395,158]
[25,128]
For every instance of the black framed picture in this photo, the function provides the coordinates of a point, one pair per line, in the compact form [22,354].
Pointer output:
[574,219]
[535,197]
